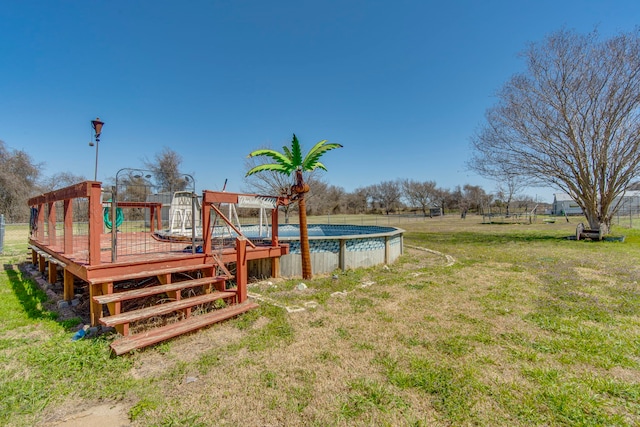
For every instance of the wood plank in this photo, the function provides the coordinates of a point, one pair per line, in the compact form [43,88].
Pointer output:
[155,290]
[154,336]
[160,309]
[152,273]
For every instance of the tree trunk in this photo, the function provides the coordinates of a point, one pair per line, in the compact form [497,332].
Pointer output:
[596,220]
[304,239]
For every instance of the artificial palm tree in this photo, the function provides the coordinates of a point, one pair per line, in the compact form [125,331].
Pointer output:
[288,162]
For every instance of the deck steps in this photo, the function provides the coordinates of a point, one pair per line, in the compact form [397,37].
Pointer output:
[154,336]
[152,273]
[165,308]
[155,290]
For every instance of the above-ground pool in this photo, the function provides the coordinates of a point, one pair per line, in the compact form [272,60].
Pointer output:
[332,247]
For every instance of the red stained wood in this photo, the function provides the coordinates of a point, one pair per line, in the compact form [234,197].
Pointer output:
[155,290]
[88,256]
[166,308]
[154,336]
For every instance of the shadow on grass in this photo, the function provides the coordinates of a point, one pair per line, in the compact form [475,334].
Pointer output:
[31,297]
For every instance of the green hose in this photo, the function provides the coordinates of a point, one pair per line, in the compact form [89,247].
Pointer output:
[107,218]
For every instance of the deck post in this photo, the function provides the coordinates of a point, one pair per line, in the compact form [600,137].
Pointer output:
[275,262]
[152,224]
[52,272]
[41,263]
[95,223]
[40,227]
[68,285]
[206,228]
[68,227]
[95,308]
[274,227]
[241,269]
[51,222]
[275,267]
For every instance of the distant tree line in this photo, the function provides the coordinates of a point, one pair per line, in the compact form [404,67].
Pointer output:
[21,178]
[423,198]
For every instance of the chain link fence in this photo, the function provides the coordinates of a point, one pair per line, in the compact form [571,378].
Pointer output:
[628,214]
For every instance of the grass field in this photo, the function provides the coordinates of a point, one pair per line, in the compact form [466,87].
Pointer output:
[475,325]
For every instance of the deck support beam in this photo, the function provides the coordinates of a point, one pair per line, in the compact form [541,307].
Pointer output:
[52,271]
[42,263]
[275,267]
[241,270]
[68,284]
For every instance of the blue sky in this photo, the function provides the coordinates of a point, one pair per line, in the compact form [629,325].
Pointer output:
[402,85]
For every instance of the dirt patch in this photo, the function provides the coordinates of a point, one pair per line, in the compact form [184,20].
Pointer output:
[105,415]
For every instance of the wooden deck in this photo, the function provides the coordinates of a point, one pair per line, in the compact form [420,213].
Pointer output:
[102,260]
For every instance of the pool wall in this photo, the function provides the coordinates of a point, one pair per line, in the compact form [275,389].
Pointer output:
[341,247]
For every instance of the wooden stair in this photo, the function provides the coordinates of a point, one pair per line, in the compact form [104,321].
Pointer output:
[154,336]
[155,290]
[210,289]
[165,308]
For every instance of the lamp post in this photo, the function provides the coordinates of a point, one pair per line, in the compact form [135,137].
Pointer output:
[97,128]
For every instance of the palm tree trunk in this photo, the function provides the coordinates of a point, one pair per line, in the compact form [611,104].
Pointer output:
[304,239]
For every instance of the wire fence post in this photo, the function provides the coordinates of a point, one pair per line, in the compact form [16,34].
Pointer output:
[1,233]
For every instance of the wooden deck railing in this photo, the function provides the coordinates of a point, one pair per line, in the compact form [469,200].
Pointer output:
[81,231]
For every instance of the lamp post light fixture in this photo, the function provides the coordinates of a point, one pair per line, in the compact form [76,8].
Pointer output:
[97,128]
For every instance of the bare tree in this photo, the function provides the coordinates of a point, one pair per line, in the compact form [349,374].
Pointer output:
[510,187]
[60,180]
[358,201]
[571,120]
[476,198]
[325,199]
[510,182]
[387,195]
[443,198]
[420,194]
[18,176]
[165,167]
[457,198]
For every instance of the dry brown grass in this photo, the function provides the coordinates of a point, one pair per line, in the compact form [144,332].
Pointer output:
[523,328]
[344,362]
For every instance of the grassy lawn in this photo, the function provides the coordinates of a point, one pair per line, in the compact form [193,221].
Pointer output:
[476,324]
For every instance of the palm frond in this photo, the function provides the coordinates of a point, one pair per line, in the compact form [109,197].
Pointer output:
[296,151]
[275,155]
[316,152]
[276,167]
[318,165]
[291,157]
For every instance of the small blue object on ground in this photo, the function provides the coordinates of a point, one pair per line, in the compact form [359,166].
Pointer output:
[80,334]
